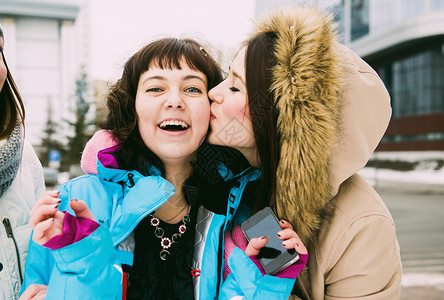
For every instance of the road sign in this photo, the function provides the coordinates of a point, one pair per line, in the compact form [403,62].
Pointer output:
[54,159]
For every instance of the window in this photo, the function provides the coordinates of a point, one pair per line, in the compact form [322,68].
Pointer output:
[359,18]
[417,83]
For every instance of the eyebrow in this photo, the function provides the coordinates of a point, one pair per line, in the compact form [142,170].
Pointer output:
[188,77]
[194,77]
[235,74]
[153,77]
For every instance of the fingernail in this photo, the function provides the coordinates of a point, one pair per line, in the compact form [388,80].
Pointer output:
[278,235]
[283,244]
[263,237]
[57,192]
[56,206]
[282,221]
[59,201]
[53,219]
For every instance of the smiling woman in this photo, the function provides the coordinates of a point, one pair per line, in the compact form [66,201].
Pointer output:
[140,210]
[173,112]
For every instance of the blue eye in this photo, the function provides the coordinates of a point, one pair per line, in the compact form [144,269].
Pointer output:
[193,90]
[154,90]
[234,89]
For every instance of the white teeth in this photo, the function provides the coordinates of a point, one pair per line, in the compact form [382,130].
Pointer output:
[173,122]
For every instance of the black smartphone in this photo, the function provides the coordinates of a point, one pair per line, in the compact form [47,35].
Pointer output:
[273,257]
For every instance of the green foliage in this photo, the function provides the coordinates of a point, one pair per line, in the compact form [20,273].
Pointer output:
[49,140]
[81,127]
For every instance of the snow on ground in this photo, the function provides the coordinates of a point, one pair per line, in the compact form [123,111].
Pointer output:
[423,279]
[425,172]
[409,156]
[418,175]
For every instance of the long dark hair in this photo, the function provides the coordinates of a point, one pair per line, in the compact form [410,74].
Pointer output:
[259,60]
[122,119]
[12,110]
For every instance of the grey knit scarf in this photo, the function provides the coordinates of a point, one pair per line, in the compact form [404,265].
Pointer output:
[10,156]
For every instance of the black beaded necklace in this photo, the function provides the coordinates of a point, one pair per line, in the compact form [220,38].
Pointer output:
[166,242]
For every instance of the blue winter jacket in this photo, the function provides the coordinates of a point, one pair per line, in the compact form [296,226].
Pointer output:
[119,200]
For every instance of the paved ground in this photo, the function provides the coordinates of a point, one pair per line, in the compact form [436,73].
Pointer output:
[426,286]
[418,211]
[422,293]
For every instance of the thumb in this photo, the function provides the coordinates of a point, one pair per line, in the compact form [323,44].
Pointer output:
[81,209]
[255,245]
[40,230]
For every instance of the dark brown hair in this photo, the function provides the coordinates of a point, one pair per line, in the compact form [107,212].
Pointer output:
[12,110]
[122,119]
[259,61]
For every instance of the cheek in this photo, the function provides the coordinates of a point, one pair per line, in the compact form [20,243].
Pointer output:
[201,119]
[145,116]
[2,75]
[236,109]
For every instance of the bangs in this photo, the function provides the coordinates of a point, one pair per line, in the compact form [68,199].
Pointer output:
[168,53]
[172,52]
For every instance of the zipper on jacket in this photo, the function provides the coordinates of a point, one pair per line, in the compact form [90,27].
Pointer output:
[130,179]
[10,234]
[220,254]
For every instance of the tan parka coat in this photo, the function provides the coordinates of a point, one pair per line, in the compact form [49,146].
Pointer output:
[356,254]
[333,111]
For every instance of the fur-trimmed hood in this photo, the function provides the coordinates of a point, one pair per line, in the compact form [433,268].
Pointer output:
[333,111]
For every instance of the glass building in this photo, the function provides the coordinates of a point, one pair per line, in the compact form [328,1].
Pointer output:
[403,40]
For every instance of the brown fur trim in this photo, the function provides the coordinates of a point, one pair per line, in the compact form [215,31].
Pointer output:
[306,85]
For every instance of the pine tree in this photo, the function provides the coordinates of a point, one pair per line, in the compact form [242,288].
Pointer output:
[49,141]
[81,125]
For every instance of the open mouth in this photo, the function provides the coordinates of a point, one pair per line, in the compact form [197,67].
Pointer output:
[173,125]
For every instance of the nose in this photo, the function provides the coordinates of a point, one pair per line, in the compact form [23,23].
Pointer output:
[175,101]
[215,95]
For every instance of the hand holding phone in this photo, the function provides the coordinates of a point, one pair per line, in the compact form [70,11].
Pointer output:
[273,257]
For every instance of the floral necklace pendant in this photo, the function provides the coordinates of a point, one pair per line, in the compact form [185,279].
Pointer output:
[166,242]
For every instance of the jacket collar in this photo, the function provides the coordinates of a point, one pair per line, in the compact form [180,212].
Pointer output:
[108,168]
[227,175]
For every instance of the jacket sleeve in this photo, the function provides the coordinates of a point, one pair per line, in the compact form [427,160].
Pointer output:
[86,269]
[36,170]
[367,262]
[246,281]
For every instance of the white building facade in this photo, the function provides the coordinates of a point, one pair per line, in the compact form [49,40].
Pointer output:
[41,50]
